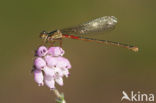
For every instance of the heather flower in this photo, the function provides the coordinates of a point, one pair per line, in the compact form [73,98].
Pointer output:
[54,66]
[50,83]
[38,77]
[53,75]
[50,68]
[42,51]
[51,61]
[48,73]
[64,63]
[65,72]
[58,72]
[56,51]
[39,63]
[59,81]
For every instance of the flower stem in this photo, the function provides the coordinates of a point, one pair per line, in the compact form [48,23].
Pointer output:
[60,97]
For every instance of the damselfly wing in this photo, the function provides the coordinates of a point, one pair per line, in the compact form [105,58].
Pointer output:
[105,23]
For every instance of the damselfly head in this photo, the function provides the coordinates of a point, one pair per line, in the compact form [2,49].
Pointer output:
[43,35]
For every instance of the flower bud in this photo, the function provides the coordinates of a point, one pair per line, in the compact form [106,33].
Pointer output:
[64,63]
[59,81]
[56,51]
[50,83]
[51,61]
[38,77]
[42,51]
[48,73]
[39,63]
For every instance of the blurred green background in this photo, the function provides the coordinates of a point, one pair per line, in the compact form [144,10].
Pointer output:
[99,73]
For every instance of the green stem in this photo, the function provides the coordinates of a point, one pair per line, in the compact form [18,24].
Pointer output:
[60,97]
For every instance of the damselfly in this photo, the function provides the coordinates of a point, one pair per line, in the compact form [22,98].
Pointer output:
[105,23]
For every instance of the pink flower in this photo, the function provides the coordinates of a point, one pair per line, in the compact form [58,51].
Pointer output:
[59,81]
[48,72]
[50,66]
[51,75]
[64,63]
[56,51]
[59,64]
[58,72]
[39,63]
[51,61]
[42,51]
[38,77]
[65,72]
[50,83]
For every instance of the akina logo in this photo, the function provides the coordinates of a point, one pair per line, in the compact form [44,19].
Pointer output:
[137,96]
